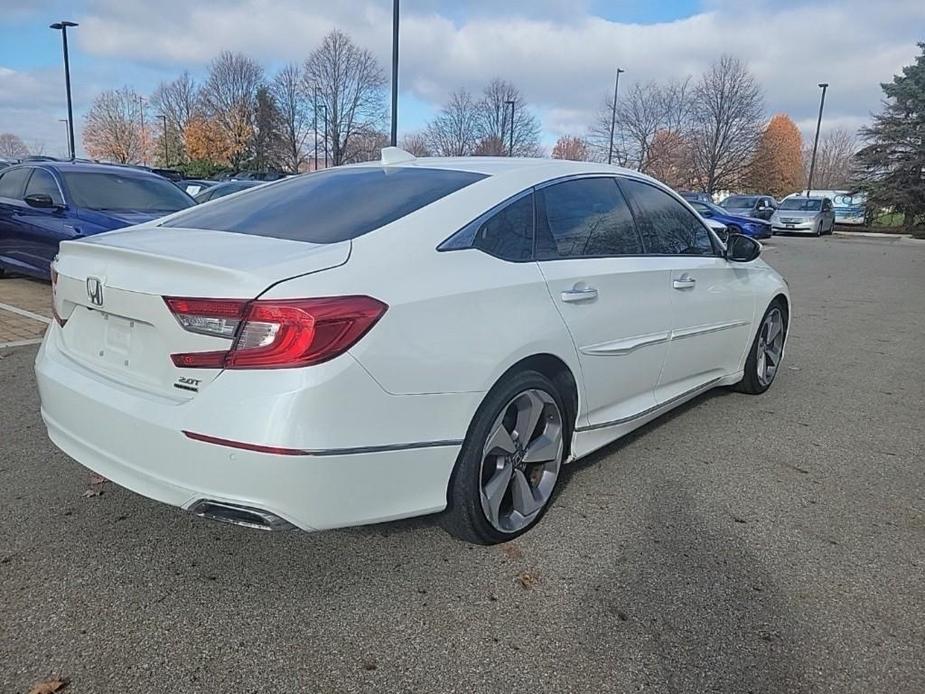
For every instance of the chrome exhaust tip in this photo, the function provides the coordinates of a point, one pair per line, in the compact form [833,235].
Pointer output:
[247,516]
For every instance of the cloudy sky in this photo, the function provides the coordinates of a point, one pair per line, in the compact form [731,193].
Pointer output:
[561,53]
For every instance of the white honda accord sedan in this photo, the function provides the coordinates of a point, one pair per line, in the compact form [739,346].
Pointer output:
[397,338]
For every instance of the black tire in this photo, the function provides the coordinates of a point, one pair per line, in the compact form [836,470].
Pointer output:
[464,517]
[817,232]
[751,383]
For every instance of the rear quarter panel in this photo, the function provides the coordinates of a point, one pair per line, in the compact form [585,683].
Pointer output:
[457,320]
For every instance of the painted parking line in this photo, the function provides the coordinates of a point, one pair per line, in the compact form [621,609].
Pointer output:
[25,313]
[20,343]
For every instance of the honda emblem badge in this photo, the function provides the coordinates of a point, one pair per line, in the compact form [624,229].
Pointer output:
[95,290]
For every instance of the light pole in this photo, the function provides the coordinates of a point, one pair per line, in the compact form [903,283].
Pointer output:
[510,149]
[613,115]
[325,107]
[62,27]
[315,127]
[394,137]
[144,141]
[812,163]
[166,153]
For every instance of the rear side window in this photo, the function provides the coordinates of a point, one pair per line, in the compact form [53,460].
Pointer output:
[328,206]
[667,227]
[12,183]
[508,234]
[585,217]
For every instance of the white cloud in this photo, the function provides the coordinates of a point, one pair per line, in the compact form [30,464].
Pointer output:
[561,56]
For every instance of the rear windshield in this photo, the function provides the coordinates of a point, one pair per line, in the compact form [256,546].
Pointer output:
[112,191]
[802,204]
[328,206]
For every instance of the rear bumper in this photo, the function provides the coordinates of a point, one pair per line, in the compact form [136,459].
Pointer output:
[136,440]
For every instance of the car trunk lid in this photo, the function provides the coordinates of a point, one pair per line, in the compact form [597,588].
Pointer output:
[110,290]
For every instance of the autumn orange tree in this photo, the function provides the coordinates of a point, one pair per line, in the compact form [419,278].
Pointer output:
[777,166]
[208,144]
[571,148]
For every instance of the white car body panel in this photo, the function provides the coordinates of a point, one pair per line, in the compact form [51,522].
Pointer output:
[377,430]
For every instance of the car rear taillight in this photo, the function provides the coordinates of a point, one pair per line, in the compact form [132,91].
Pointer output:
[274,334]
[54,291]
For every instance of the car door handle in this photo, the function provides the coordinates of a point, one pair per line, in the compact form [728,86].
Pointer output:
[685,281]
[579,294]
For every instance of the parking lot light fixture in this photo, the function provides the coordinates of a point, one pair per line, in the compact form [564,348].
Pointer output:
[166,152]
[510,149]
[613,114]
[62,26]
[393,135]
[812,163]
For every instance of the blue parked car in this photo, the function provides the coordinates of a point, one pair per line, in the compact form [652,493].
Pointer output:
[44,203]
[736,224]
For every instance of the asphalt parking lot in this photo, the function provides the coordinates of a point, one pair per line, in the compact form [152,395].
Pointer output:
[740,544]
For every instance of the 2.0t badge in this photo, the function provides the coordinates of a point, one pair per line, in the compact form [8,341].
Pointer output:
[95,290]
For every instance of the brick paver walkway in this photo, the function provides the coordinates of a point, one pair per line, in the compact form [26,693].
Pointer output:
[19,298]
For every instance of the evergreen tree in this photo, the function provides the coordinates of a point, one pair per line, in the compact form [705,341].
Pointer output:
[891,167]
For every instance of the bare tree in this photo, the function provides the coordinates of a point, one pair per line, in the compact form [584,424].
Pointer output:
[495,126]
[112,127]
[366,145]
[12,146]
[727,114]
[645,112]
[177,102]
[351,88]
[295,115]
[455,130]
[229,97]
[416,144]
[834,159]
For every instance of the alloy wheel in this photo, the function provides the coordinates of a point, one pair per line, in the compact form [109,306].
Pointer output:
[770,346]
[521,460]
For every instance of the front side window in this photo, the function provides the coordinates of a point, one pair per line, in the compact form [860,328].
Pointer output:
[97,190]
[328,206]
[667,227]
[12,183]
[43,183]
[584,217]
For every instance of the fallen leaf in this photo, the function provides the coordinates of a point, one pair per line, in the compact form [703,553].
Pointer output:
[97,479]
[49,686]
[512,551]
[527,580]
[92,492]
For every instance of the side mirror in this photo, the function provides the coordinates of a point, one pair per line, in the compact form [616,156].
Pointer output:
[741,248]
[40,200]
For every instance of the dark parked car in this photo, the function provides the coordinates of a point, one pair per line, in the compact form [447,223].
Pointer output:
[758,206]
[223,189]
[194,186]
[735,224]
[44,203]
[690,196]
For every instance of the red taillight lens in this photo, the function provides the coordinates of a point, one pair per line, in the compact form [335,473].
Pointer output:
[54,296]
[278,334]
